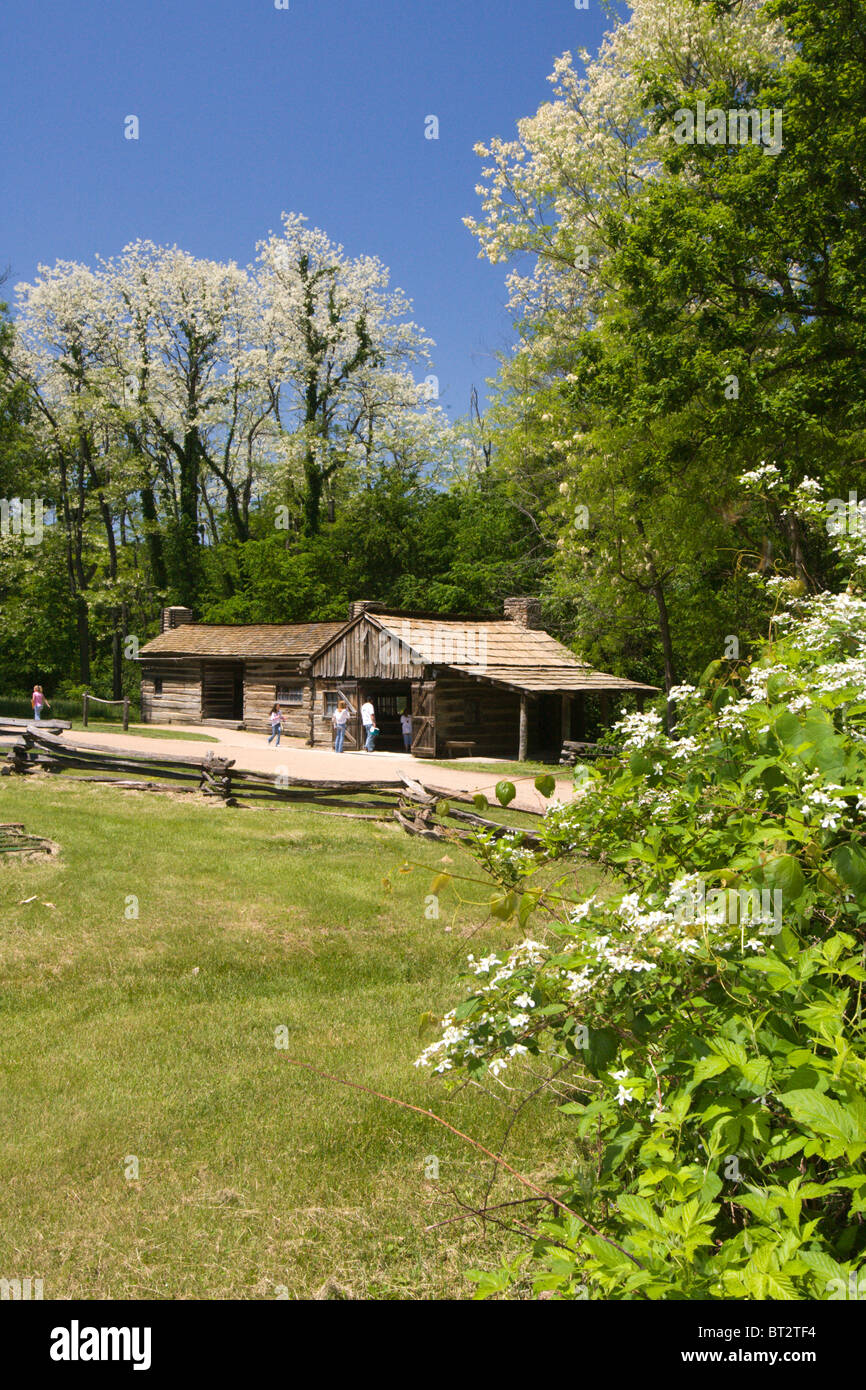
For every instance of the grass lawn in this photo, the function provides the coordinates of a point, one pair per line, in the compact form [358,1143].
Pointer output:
[114,726]
[512,771]
[149,1042]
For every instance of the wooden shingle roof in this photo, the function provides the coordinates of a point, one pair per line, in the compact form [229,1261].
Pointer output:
[248,640]
[500,651]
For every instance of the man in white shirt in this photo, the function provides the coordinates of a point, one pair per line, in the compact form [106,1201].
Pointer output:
[368,719]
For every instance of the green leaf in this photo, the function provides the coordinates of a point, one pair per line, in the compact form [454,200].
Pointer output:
[849,861]
[639,1209]
[528,904]
[826,1116]
[785,873]
[503,905]
[733,1053]
[710,1066]
[601,1048]
[618,1148]
[505,792]
[639,764]
[545,783]
[480,802]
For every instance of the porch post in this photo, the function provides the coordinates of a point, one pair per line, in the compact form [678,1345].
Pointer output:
[524,724]
[565,730]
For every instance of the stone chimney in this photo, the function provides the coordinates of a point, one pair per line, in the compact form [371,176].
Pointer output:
[365,605]
[525,612]
[176,616]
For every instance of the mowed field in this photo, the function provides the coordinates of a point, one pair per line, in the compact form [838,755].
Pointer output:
[146,1045]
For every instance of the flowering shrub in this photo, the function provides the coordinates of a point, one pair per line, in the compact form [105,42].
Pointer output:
[709,1015]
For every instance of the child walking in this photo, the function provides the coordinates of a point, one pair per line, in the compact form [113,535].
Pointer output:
[275,719]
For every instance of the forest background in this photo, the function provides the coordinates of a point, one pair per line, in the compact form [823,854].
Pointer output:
[265,443]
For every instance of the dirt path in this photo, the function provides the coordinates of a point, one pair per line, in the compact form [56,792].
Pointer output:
[251,751]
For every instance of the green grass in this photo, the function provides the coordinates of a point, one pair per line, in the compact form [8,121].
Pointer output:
[154,1037]
[511,770]
[111,726]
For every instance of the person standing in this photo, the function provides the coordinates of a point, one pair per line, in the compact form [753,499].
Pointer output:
[341,719]
[368,719]
[38,701]
[275,719]
[406,726]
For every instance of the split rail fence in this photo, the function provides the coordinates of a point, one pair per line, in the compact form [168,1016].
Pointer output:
[87,700]
[418,809]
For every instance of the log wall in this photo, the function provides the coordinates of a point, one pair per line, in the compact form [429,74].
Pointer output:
[467,709]
[180,701]
[261,681]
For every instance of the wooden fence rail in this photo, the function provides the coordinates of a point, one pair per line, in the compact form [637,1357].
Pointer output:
[413,806]
[9,725]
[88,699]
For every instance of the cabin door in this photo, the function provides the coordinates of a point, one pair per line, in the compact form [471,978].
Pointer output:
[348,691]
[424,719]
[222,690]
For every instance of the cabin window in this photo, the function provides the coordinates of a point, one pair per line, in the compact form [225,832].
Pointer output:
[390,704]
[330,698]
[157,685]
[290,695]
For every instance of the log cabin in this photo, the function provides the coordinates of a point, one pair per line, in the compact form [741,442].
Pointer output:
[500,687]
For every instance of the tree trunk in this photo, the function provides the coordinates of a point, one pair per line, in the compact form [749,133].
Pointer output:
[153,538]
[656,588]
[117,655]
[83,624]
[312,496]
[523,738]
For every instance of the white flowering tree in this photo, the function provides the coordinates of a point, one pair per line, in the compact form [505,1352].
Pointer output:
[559,192]
[341,356]
[176,394]
[61,357]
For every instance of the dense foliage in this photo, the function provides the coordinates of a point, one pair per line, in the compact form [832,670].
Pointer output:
[706,1016]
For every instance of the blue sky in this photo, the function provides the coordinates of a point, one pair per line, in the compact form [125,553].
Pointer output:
[246,111]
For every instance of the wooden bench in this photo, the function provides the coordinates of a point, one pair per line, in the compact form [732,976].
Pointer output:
[457,748]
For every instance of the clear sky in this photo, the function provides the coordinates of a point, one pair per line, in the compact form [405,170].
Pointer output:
[246,110]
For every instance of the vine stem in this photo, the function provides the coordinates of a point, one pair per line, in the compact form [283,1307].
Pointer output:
[467,1138]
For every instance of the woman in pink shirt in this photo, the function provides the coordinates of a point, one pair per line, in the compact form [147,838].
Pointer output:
[38,701]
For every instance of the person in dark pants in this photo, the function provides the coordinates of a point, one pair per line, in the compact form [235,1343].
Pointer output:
[368,719]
